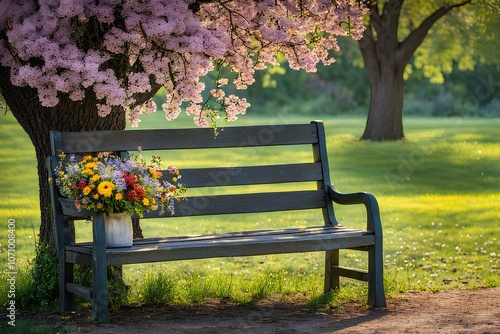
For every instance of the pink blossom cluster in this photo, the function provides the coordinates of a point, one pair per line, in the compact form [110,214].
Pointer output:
[172,43]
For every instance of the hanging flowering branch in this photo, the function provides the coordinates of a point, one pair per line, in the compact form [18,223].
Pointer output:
[121,48]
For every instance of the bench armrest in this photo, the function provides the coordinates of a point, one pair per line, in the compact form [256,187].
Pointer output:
[372,211]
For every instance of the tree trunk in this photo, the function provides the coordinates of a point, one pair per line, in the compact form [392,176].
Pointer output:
[385,116]
[385,64]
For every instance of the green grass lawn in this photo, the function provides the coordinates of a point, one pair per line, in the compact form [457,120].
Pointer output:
[438,193]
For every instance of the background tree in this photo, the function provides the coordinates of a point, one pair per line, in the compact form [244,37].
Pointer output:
[84,65]
[397,31]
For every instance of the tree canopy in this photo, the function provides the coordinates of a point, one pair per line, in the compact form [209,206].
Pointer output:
[122,49]
[396,31]
[461,39]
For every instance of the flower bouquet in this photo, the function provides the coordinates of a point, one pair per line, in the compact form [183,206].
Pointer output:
[114,185]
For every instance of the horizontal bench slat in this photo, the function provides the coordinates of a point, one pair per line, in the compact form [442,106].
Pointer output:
[247,203]
[360,275]
[168,139]
[228,245]
[227,204]
[253,233]
[229,176]
[79,290]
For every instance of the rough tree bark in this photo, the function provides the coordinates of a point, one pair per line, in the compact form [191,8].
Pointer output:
[385,59]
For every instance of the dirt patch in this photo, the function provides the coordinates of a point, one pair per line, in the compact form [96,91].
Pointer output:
[460,311]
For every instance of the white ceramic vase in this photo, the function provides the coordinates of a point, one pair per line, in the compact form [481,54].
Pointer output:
[119,232]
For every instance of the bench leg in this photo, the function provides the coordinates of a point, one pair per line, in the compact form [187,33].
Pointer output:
[99,272]
[99,296]
[331,260]
[376,295]
[66,300]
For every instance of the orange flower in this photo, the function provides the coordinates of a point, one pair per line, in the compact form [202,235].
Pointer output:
[155,174]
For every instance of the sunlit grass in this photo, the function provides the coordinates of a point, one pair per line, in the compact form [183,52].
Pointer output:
[438,194]
[192,286]
[19,184]
[441,240]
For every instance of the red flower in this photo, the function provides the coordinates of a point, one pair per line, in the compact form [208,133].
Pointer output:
[130,180]
[132,196]
[139,190]
[136,194]
[81,184]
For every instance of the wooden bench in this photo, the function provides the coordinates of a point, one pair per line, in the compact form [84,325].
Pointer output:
[311,190]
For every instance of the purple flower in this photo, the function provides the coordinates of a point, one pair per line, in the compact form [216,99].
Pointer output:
[119,181]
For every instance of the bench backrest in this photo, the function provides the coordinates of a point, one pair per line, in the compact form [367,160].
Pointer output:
[316,170]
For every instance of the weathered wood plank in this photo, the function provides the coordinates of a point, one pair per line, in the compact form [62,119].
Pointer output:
[227,204]
[246,203]
[257,246]
[253,233]
[79,290]
[68,208]
[360,275]
[85,247]
[229,245]
[168,139]
[248,175]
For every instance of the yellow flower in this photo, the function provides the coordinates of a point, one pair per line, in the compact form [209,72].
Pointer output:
[87,171]
[96,196]
[86,190]
[155,174]
[119,196]
[174,179]
[105,188]
[89,168]
[90,165]
[145,202]
[94,178]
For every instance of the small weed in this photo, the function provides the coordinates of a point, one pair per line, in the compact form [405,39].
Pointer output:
[492,282]
[36,284]
[156,289]
[45,272]
[24,288]
[265,284]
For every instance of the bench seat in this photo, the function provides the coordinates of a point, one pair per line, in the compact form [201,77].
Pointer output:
[246,243]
